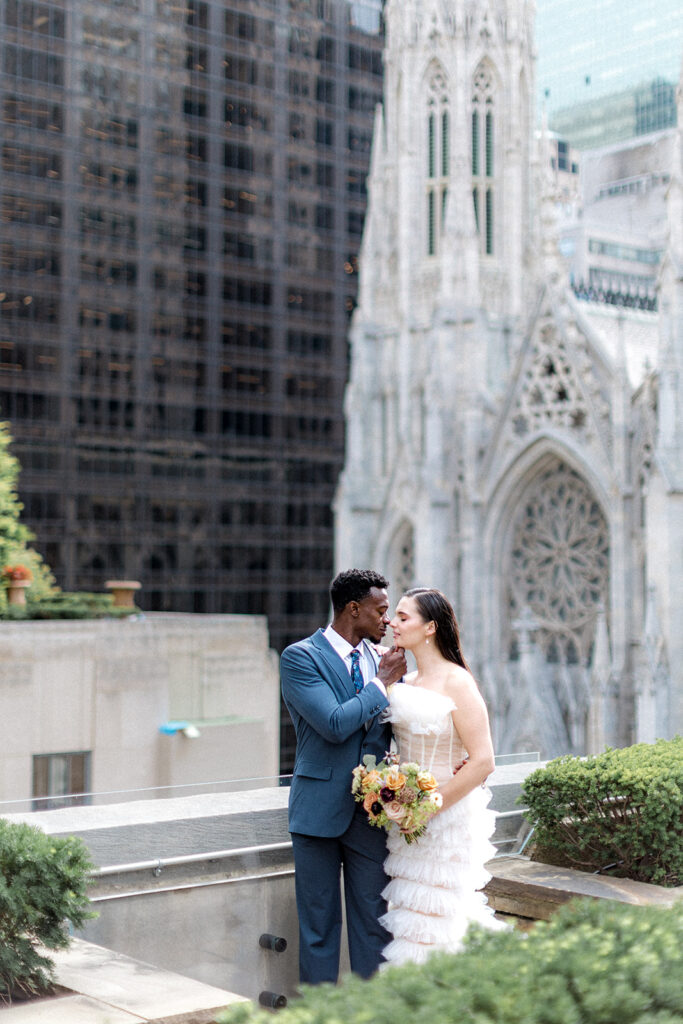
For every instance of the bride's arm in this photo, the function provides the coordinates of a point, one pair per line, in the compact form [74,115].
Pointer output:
[472,723]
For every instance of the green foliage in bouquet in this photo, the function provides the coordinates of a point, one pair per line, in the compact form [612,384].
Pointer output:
[595,962]
[620,812]
[43,882]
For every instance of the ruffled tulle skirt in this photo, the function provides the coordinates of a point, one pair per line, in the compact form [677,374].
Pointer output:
[433,894]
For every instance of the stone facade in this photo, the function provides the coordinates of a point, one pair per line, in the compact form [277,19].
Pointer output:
[517,447]
[105,688]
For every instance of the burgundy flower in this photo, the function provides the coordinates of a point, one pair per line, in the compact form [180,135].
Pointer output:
[386,794]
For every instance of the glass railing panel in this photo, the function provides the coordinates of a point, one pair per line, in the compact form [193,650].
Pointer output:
[117,796]
[522,758]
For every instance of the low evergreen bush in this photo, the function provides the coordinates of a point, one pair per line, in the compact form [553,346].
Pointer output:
[595,962]
[43,882]
[68,605]
[620,812]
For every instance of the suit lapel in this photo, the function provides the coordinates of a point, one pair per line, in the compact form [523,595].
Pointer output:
[333,661]
[373,654]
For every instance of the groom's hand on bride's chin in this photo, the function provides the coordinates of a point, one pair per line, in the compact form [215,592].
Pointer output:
[392,666]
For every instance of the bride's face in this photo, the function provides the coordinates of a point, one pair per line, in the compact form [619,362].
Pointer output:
[409,628]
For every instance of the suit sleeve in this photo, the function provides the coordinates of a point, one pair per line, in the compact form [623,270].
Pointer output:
[306,692]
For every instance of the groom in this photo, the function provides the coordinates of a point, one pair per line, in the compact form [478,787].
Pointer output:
[334,685]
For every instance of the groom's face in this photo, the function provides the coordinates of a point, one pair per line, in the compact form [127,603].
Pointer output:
[373,617]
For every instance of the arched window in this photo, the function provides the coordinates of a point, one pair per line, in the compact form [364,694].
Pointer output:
[438,158]
[484,158]
[557,564]
[401,562]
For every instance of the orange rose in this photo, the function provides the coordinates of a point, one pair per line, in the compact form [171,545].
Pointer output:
[426,781]
[395,779]
[371,778]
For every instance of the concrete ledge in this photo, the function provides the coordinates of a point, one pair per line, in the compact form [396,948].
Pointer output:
[531,889]
[109,988]
[145,829]
[176,826]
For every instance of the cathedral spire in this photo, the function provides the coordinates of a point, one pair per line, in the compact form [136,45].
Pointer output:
[551,265]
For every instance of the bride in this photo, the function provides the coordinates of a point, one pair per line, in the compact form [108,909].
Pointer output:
[440,721]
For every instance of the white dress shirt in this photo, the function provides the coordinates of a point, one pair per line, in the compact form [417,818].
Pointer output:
[367,662]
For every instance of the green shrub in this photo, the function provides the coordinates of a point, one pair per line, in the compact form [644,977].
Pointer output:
[619,812]
[595,962]
[61,605]
[43,881]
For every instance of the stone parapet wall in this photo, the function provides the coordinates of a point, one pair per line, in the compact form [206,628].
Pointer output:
[216,869]
[106,687]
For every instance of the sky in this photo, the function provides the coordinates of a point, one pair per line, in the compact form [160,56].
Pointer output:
[589,48]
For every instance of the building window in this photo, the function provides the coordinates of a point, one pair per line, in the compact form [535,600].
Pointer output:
[438,158]
[483,144]
[57,776]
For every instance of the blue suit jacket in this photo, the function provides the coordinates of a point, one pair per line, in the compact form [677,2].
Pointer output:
[331,735]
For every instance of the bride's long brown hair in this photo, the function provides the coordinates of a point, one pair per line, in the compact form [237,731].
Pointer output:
[435,607]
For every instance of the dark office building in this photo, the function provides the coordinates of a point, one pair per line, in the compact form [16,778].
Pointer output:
[182,196]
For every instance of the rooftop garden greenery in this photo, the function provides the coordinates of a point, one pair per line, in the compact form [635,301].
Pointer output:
[21,562]
[43,883]
[619,813]
[595,962]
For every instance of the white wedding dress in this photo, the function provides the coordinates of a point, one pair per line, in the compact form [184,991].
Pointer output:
[432,896]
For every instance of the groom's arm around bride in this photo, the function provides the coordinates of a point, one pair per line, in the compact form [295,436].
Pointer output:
[334,685]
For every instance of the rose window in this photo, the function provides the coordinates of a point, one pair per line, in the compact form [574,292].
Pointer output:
[559,564]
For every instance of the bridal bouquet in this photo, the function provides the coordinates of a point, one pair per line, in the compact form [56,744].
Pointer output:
[395,794]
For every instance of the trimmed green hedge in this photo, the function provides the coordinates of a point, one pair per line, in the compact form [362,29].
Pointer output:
[43,883]
[595,962]
[69,605]
[620,812]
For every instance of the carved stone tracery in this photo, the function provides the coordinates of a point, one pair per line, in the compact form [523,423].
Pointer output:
[552,395]
[402,561]
[558,564]
[483,84]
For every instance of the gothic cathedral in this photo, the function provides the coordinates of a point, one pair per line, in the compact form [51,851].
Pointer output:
[504,441]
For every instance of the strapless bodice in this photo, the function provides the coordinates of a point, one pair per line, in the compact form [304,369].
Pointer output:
[424,731]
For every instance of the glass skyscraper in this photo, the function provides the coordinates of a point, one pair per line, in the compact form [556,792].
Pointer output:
[627,54]
[181,204]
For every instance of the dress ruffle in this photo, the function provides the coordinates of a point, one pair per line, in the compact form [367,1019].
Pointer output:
[433,895]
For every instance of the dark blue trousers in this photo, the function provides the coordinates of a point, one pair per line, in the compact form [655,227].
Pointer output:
[360,853]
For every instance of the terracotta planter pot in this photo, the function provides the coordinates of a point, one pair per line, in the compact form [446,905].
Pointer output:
[123,592]
[16,591]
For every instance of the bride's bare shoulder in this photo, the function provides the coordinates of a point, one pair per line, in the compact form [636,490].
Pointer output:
[460,683]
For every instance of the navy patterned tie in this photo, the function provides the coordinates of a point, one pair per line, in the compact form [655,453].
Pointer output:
[356,674]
